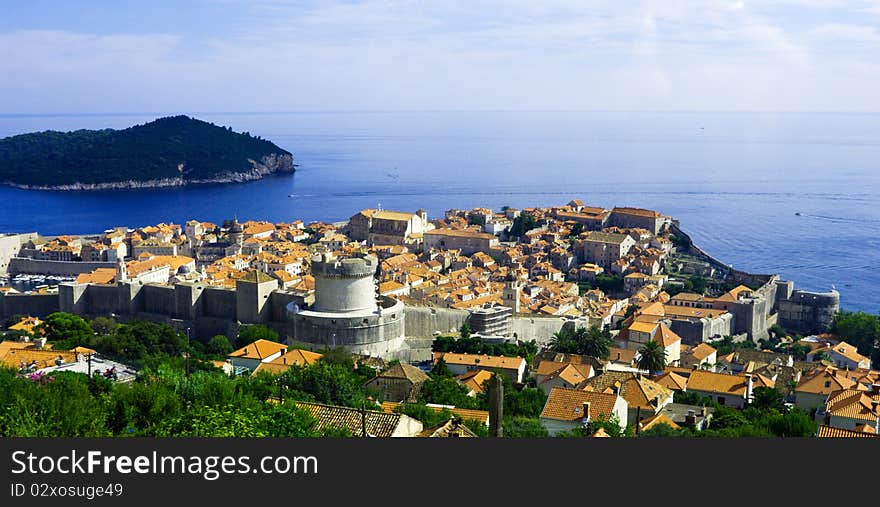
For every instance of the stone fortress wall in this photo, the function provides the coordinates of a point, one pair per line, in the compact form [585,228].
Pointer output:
[808,312]
[773,301]
[348,313]
[57,268]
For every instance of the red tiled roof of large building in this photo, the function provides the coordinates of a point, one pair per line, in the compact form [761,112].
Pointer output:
[637,212]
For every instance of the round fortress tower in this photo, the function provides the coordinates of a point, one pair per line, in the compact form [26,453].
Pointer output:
[344,285]
[347,311]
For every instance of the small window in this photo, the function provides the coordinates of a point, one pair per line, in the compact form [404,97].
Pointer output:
[721,400]
[827,383]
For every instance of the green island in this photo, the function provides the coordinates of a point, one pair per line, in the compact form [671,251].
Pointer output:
[169,151]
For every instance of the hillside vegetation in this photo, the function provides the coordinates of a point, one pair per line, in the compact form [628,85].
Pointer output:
[170,147]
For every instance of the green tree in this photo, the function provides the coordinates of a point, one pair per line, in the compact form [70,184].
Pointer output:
[326,382]
[859,329]
[799,351]
[652,357]
[427,415]
[446,391]
[593,341]
[218,346]
[609,283]
[795,423]
[523,223]
[768,398]
[660,430]
[443,343]
[465,331]
[777,331]
[700,283]
[103,326]
[67,330]
[563,341]
[523,427]
[526,402]
[440,369]
[139,339]
[252,333]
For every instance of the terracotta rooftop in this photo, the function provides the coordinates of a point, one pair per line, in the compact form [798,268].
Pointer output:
[378,424]
[260,349]
[831,432]
[451,428]
[481,416]
[483,361]
[405,371]
[255,276]
[711,382]
[568,404]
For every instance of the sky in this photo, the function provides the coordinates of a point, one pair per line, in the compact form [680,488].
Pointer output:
[93,56]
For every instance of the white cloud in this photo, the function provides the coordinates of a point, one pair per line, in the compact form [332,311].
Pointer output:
[847,33]
[492,54]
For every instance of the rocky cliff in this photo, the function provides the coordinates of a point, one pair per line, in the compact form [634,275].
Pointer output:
[268,165]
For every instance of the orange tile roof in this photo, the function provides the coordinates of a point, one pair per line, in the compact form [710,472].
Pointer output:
[297,356]
[26,324]
[655,420]
[567,404]
[638,391]
[687,311]
[854,404]
[98,276]
[405,371]
[460,233]
[481,416]
[832,432]
[711,382]
[702,351]
[848,351]
[672,380]
[392,215]
[481,360]
[572,374]
[13,357]
[475,380]
[666,336]
[637,212]
[378,423]
[643,327]
[816,383]
[260,349]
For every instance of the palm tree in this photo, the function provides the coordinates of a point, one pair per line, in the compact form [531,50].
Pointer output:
[652,357]
[562,341]
[593,341]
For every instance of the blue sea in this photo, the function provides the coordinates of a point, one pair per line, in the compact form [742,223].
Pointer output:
[734,180]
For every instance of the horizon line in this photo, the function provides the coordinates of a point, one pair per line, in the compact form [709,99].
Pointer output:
[405,111]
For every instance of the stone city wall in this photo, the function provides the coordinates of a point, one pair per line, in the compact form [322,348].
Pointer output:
[424,322]
[58,268]
[35,305]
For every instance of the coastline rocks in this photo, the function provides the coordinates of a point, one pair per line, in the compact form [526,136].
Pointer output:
[267,165]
